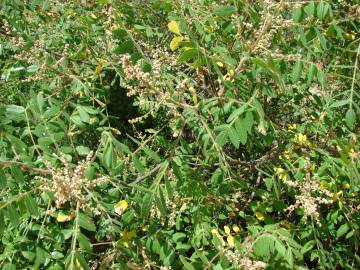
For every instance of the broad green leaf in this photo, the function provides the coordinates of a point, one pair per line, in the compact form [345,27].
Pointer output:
[86,223]
[178,237]
[295,75]
[152,154]
[339,103]
[308,246]
[186,264]
[82,150]
[350,118]
[13,215]
[2,222]
[310,9]
[15,113]
[31,205]
[80,261]
[17,173]
[234,138]
[3,181]
[344,228]
[84,116]
[84,242]
[146,204]
[160,205]
[188,54]
[241,129]
[125,47]
[224,11]
[222,138]
[138,164]
[264,246]
[236,113]
[296,14]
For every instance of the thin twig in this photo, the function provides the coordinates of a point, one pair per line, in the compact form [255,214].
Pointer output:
[23,166]
[150,173]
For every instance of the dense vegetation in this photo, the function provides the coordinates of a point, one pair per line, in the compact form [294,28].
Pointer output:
[179,134]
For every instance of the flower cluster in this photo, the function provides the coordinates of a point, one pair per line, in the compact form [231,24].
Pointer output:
[68,184]
[141,83]
[306,200]
[174,212]
[244,262]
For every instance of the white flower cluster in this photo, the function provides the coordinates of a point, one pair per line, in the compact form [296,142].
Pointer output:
[243,261]
[306,200]
[68,185]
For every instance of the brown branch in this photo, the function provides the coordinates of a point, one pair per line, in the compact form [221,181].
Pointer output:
[271,155]
[23,167]
[150,173]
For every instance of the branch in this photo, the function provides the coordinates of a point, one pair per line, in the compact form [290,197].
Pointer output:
[271,155]
[150,173]
[23,166]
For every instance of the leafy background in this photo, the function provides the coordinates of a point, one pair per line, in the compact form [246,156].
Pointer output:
[179,134]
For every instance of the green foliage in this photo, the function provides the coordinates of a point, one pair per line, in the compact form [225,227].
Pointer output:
[179,134]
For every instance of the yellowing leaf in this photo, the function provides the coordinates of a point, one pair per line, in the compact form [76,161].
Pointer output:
[128,235]
[230,240]
[285,223]
[236,228]
[259,216]
[227,229]
[194,98]
[220,64]
[120,207]
[93,16]
[346,185]
[175,42]
[174,27]
[78,264]
[63,218]
[336,196]
[98,69]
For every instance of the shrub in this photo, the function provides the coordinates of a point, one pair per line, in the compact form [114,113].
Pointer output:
[179,134]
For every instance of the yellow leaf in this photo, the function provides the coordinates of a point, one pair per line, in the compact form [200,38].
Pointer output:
[102,104]
[128,235]
[63,218]
[101,61]
[336,196]
[220,64]
[120,207]
[230,240]
[346,185]
[300,139]
[115,26]
[285,223]
[227,229]
[78,264]
[259,216]
[175,42]
[194,98]
[236,228]
[93,16]
[98,69]
[174,27]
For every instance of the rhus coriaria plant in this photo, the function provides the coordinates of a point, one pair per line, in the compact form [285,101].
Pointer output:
[217,135]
